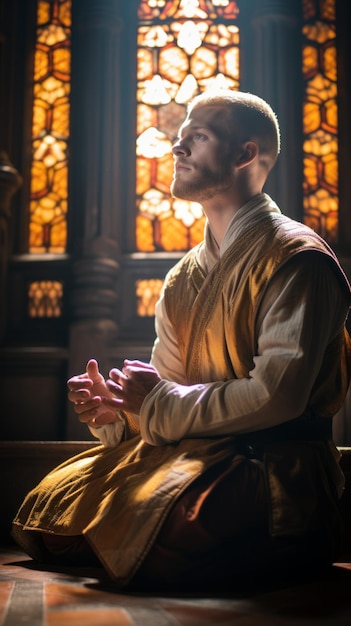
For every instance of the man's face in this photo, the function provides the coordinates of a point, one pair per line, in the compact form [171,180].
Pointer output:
[202,167]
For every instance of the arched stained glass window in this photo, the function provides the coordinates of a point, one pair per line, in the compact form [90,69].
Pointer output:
[50,128]
[184,47]
[320,118]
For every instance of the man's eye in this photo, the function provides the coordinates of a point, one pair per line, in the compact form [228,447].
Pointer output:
[199,137]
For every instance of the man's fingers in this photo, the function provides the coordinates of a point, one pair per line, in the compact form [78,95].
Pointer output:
[115,387]
[78,395]
[135,366]
[93,371]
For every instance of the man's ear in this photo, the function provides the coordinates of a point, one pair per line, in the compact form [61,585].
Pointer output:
[248,152]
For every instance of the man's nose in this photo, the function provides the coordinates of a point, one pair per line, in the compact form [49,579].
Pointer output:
[180,148]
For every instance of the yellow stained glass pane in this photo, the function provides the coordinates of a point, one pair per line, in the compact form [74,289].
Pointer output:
[183,47]
[50,128]
[45,298]
[147,293]
[320,118]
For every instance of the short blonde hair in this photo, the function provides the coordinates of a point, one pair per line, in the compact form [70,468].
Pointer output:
[250,118]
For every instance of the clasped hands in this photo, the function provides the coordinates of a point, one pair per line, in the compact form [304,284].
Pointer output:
[96,400]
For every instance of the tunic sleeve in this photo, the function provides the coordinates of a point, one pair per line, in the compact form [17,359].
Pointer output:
[302,311]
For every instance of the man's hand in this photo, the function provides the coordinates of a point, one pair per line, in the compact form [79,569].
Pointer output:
[131,385]
[88,393]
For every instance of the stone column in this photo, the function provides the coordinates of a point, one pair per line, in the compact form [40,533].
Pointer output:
[277,77]
[10,180]
[95,210]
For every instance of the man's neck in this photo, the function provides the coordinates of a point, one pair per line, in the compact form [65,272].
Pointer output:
[220,213]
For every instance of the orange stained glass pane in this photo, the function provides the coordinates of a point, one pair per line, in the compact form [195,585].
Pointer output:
[322,211]
[64,13]
[147,117]
[43,13]
[41,64]
[45,298]
[311,117]
[42,234]
[311,179]
[170,117]
[330,63]
[147,292]
[331,116]
[59,184]
[184,46]
[196,231]
[39,121]
[61,63]
[50,128]
[145,64]
[309,61]
[169,59]
[144,234]
[320,118]
[143,181]
[60,119]
[328,9]
[319,32]
[330,171]
[164,173]
[39,176]
[203,63]
[163,9]
[173,234]
[229,63]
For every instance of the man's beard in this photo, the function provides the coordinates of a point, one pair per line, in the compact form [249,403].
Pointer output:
[202,184]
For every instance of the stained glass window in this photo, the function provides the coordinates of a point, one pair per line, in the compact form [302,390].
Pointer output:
[184,48]
[50,128]
[147,292]
[45,298]
[320,118]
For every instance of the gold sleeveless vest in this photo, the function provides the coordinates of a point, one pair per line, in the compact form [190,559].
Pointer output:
[214,316]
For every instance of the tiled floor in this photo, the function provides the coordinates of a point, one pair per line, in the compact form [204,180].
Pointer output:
[33,596]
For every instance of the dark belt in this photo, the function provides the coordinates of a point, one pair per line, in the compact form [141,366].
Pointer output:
[300,429]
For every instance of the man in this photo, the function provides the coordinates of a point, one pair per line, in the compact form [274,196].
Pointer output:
[217,460]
